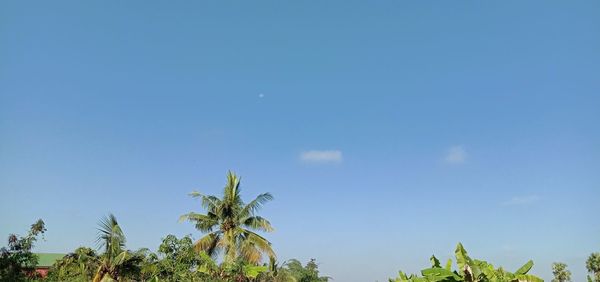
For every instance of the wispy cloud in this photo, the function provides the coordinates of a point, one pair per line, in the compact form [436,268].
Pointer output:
[456,155]
[521,200]
[323,156]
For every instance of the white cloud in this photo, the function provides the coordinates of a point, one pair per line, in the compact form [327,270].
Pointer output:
[326,156]
[456,155]
[522,200]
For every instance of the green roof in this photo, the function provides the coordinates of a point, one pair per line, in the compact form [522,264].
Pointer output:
[48,259]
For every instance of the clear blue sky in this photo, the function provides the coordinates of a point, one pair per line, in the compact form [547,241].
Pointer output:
[386,130]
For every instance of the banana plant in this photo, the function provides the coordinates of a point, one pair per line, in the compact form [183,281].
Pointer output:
[469,270]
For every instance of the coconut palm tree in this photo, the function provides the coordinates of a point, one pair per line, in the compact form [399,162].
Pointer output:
[230,224]
[116,263]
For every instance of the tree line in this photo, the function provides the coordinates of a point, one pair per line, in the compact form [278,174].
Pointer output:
[230,250]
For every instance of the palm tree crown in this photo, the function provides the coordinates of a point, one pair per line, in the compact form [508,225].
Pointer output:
[116,262]
[231,224]
[110,236]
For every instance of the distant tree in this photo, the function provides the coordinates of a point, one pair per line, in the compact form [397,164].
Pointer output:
[560,272]
[231,224]
[80,265]
[179,261]
[17,262]
[593,266]
[308,273]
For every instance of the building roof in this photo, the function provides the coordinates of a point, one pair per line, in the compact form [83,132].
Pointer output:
[48,259]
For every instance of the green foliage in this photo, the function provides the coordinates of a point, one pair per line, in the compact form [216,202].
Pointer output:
[230,224]
[252,271]
[239,270]
[178,261]
[276,273]
[308,273]
[560,272]
[79,265]
[593,266]
[469,270]
[17,262]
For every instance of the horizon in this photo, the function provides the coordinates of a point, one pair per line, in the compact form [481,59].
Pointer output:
[386,132]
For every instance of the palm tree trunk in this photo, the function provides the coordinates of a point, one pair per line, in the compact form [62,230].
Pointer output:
[230,250]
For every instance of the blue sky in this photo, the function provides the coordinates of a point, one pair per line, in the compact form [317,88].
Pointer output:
[386,130]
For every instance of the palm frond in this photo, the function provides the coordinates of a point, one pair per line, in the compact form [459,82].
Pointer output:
[203,222]
[209,244]
[258,223]
[122,257]
[209,202]
[256,204]
[110,235]
[250,253]
[253,245]
[231,191]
